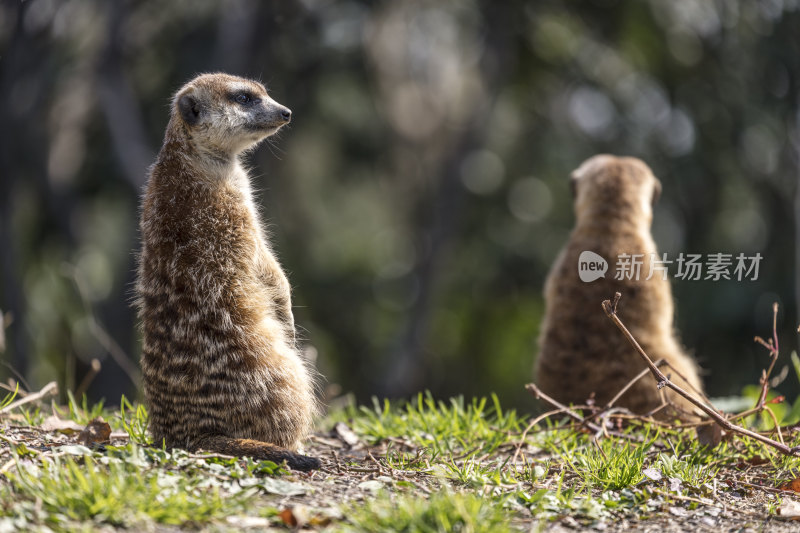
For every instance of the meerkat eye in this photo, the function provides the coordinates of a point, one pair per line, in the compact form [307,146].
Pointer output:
[243,98]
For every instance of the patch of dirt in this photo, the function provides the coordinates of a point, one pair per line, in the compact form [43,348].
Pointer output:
[354,472]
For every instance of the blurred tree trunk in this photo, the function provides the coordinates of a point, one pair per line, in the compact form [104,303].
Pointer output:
[408,368]
[12,291]
[235,32]
[19,159]
[796,141]
[120,107]
[134,153]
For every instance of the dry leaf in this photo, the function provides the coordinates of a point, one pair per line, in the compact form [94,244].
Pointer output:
[679,511]
[789,509]
[756,460]
[346,435]
[793,485]
[281,486]
[652,474]
[372,485]
[287,516]
[248,522]
[73,449]
[709,435]
[96,432]
[297,516]
[319,521]
[68,427]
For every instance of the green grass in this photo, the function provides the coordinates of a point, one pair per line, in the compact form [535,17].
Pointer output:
[119,493]
[686,469]
[444,427]
[129,486]
[611,465]
[436,466]
[8,398]
[81,412]
[419,459]
[442,512]
[133,420]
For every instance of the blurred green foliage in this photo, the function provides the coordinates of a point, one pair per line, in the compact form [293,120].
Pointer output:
[420,194]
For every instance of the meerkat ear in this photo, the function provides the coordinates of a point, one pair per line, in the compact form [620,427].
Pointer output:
[189,109]
[656,192]
[590,166]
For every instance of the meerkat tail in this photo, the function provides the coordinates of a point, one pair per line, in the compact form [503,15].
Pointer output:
[256,449]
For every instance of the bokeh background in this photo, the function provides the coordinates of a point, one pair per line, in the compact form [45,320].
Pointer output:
[420,193]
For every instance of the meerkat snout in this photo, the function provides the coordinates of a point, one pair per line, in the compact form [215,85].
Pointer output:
[272,115]
[228,115]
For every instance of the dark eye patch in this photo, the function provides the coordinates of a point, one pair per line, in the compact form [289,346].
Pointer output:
[244,98]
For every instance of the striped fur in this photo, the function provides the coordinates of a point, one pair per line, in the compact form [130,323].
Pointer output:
[221,369]
[581,352]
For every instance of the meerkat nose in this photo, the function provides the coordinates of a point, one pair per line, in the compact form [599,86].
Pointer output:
[286,114]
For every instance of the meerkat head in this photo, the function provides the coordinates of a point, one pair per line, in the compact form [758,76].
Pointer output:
[605,184]
[225,115]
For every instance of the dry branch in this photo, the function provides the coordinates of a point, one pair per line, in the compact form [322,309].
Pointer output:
[610,308]
[598,429]
[97,330]
[49,389]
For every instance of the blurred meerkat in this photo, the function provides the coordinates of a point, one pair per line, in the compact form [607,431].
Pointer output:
[581,352]
[220,367]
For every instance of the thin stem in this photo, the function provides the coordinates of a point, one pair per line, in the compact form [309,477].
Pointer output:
[610,308]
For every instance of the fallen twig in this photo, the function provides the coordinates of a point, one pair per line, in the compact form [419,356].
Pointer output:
[585,422]
[630,384]
[772,346]
[13,386]
[7,466]
[210,455]
[336,460]
[530,426]
[49,389]
[94,369]
[539,395]
[610,308]
[99,332]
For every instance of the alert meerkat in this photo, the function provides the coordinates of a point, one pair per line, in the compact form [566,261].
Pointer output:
[221,370]
[581,352]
